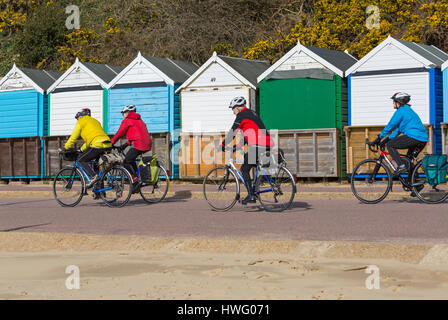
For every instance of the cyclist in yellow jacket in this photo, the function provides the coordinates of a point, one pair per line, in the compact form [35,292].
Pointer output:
[96,142]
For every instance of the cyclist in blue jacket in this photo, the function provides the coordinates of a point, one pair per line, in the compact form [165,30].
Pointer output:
[406,122]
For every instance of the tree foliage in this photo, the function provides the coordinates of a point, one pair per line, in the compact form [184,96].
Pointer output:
[33,32]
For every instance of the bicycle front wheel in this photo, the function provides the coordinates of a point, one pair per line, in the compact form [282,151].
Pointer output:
[371,181]
[68,187]
[156,192]
[221,188]
[115,187]
[424,191]
[276,192]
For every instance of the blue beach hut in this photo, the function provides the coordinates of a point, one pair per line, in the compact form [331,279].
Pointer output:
[150,83]
[23,121]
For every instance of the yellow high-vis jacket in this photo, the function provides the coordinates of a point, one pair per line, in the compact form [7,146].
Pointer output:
[90,130]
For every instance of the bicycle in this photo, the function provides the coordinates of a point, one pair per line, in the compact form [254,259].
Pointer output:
[221,186]
[372,179]
[151,192]
[69,185]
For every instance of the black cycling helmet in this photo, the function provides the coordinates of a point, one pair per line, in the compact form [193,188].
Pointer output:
[401,97]
[83,112]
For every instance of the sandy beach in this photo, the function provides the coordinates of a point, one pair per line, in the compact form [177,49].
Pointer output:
[215,269]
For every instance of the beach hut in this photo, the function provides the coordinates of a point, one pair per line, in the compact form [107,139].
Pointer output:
[394,65]
[205,99]
[23,121]
[83,85]
[150,84]
[304,95]
[444,125]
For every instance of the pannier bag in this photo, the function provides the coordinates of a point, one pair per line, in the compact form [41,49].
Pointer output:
[108,160]
[436,169]
[148,169]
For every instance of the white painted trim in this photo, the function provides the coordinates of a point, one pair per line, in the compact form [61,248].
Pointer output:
[300,48]
[139,59]
[214,58]
[76,65]
[445,65]
[379,47]
[15,69]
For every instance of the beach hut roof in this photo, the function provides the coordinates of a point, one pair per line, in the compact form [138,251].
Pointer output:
[429,56]
[171,71]
[336,61]
[102,73]
[41,80]
[244,70]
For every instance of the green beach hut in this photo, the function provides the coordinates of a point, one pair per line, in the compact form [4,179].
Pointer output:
[306,90]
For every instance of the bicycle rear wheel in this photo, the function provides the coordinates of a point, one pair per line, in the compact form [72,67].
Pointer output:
[276,192]
[221,188]
[156,192]
[371,181]
[68,187]
[116,187]
[424,191]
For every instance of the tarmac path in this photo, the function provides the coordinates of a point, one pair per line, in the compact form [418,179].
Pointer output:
[405,220]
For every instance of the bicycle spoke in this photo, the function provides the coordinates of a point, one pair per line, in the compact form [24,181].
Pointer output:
[68,187]
[221,188]
[370,181]
[276,192]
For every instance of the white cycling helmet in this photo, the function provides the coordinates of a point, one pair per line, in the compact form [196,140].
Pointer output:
[237,102]
[129,108]
[401,97]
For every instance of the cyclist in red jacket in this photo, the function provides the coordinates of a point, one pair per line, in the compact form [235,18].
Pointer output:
[138,137]
[255,136]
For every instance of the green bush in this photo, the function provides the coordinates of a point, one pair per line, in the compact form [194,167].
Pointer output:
[43,33]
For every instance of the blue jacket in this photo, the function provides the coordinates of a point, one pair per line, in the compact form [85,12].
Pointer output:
[406,121]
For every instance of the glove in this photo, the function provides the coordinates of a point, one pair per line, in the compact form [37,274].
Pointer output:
[377,141]
[383,143]
[122,147]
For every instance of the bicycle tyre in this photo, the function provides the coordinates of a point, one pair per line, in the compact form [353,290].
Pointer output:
[357,172]
[60,176]
[117,176]
[165,188]
[220,181]
[290,180]
[420,192]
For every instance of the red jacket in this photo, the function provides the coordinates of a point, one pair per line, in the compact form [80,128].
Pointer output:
[136,132]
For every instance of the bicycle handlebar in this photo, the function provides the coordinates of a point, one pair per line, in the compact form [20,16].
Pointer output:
[372,145]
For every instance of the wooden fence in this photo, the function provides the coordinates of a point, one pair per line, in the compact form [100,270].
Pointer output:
[20,157]
[309,153]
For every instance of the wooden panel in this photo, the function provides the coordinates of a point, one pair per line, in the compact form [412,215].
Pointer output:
[160,145]
[20,157]
[309,153]
[299,61]
[370,97]
[208,110]
[390,57]
[357,150]
[65,105]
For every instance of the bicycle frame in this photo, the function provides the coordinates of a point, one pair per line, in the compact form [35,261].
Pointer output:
[383,157]
[240,177]
[86,176]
